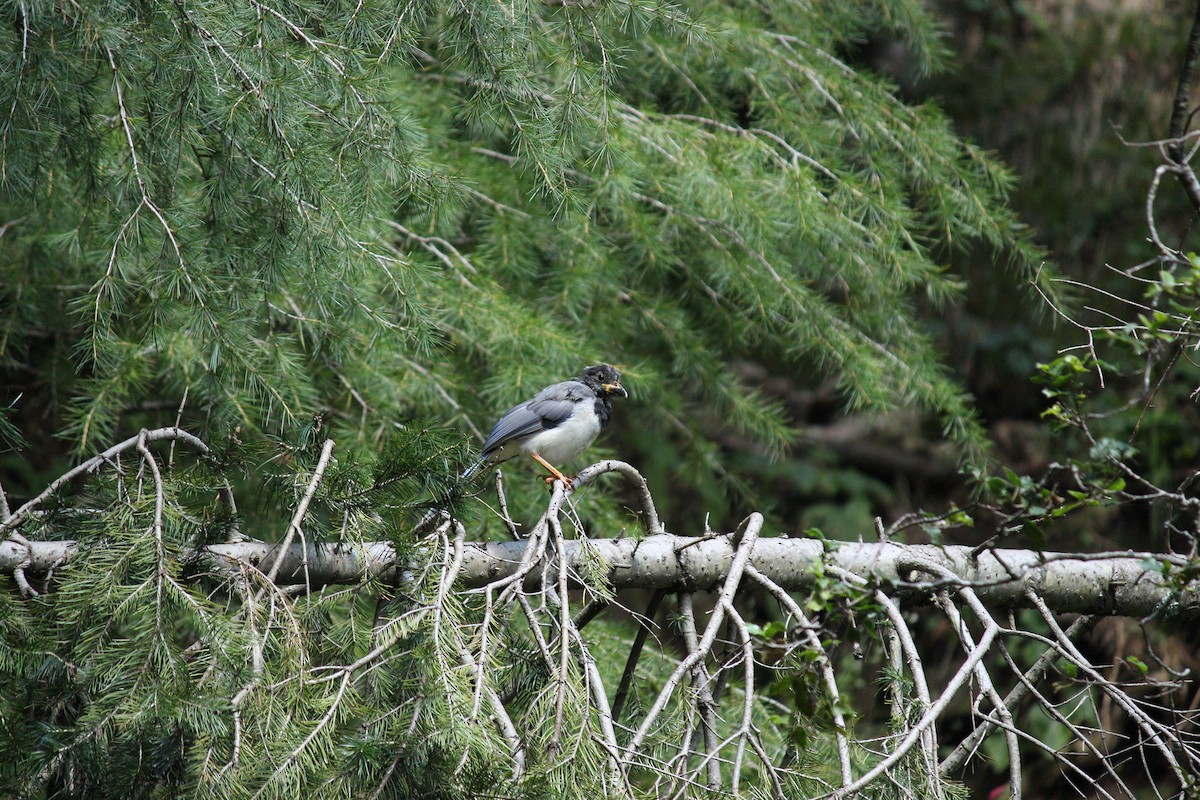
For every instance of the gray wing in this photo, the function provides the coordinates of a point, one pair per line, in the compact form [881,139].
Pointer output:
[547,409]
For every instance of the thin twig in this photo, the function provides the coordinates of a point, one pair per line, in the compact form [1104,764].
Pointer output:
[97,461]
[927,719]
[748,532]
[635,652]
[958,758]
[1001,710]
[822,662]
[701,685]
[301,509]
[646,513]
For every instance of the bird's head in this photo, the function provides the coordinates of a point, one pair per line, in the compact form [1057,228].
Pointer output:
[603,380]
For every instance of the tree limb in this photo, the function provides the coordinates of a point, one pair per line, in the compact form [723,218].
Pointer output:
[1127,583]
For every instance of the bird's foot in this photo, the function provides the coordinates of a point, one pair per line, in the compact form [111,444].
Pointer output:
[555,473]
[566,481]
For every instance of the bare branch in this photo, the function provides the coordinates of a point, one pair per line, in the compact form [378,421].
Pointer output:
[302,509]
[94,463]
[1120,583]
[955,761]
[1181,114]
[746,537]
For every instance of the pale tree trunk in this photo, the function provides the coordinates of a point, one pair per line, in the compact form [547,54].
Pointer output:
[1114,583]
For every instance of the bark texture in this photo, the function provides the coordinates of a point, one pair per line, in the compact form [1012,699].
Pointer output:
[1127,584]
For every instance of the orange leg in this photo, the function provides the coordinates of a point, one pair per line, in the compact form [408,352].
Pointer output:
[555,474]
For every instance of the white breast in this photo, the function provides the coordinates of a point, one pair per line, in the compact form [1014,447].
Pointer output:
[560,444]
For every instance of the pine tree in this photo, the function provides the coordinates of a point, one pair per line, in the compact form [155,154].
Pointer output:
[248,215]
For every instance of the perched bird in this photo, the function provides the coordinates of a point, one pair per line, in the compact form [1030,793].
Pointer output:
[556,424]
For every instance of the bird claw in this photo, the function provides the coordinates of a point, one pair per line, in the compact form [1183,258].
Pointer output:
[550,479]
[555,473]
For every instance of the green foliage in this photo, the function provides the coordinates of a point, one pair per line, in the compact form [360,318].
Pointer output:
[198,208]
[416,471]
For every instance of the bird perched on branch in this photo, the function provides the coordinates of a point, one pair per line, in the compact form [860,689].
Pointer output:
[556,424]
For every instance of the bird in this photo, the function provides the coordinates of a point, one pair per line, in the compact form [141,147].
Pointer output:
[556,424]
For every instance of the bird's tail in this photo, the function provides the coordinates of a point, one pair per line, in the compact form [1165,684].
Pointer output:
[474,469]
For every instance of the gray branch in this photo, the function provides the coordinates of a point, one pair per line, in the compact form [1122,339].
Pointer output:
[1127,583]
